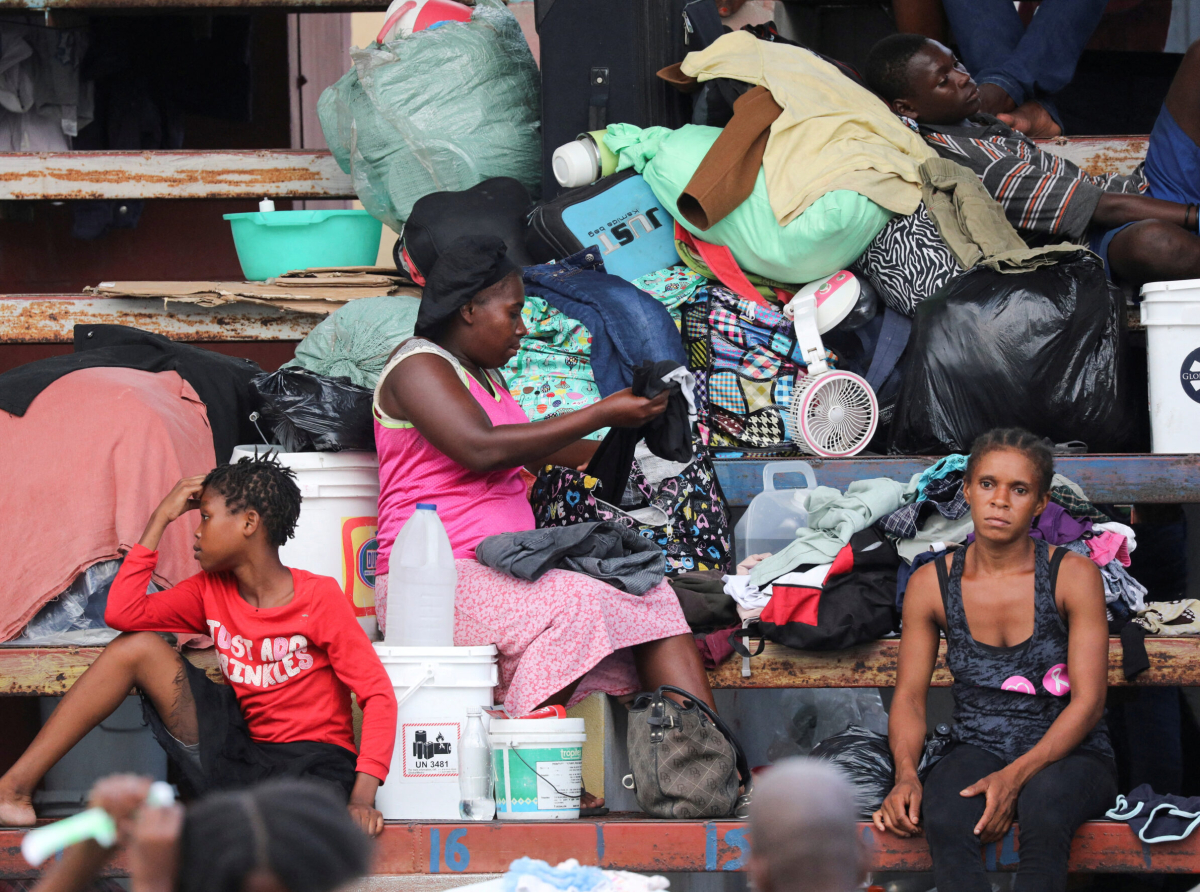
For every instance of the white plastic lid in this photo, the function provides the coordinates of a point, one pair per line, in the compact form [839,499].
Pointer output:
[574,165]
[1150,289]
[396,652]
[310,461]
[266,206]
[539,726]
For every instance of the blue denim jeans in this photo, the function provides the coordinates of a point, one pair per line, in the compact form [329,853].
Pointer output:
[627,326]
[1027,63]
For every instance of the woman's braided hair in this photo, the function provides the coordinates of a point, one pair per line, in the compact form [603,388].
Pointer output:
[265,485]
[1019,440]
[297,830]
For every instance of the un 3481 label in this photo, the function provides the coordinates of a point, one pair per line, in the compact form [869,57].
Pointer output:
[430,748]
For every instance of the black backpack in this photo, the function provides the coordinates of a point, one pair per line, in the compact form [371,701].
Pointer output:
[855,604]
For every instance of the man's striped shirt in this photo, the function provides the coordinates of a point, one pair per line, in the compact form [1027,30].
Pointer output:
[1045,197]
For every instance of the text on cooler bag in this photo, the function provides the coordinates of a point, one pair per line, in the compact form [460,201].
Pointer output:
[625,232]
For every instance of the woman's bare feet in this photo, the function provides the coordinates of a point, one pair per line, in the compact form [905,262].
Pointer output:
[587,800]
[1032,119]
[16,809]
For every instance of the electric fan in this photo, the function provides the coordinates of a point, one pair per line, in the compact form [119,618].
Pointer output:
[833,413]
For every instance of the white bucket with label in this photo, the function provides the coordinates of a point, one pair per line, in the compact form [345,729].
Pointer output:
[538,766]
[338,518]
[434,687]
[1171,314]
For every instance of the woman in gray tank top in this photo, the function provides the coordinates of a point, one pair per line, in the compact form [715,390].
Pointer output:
[1027,644]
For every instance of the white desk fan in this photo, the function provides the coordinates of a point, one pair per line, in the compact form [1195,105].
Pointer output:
[833,413]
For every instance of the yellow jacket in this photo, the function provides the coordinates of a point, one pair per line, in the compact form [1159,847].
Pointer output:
[833,134]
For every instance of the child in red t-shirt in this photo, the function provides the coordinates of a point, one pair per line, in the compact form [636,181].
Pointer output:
[287,641]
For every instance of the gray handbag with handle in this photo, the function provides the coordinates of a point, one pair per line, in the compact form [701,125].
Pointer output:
[685,761]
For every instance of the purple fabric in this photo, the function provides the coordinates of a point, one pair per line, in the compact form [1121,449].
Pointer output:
[1054,525]
[1058,527]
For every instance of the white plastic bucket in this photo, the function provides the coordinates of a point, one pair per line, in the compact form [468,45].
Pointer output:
[1171,314]
[538,766]
[434,687]
[338,518]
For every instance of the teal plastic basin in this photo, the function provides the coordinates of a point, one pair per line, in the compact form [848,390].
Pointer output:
[273,243]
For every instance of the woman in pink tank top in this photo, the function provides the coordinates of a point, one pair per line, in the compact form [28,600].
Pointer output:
[448,432]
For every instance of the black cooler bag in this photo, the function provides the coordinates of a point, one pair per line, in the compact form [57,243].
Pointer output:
[855,604]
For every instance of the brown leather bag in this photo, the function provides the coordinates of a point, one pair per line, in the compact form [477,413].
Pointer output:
[686,763]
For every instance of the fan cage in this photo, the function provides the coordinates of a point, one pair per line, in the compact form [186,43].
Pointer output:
[833,414]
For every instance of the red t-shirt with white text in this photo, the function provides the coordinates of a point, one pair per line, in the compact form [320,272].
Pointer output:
[291,667]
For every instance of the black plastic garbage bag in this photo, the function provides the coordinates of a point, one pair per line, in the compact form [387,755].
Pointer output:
[865,758]
[1044,350]
[313,413]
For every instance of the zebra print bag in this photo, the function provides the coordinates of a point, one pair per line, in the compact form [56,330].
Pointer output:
[907,262]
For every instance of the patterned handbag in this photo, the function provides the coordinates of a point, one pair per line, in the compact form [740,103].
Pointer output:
[695,535]
[684,761]
[752,363]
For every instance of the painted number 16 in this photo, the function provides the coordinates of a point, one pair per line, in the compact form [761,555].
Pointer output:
[456,856]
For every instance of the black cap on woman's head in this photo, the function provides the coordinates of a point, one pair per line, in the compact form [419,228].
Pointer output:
[496,207]
[467,266]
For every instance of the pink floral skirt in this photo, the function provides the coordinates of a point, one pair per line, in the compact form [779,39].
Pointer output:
[565,626]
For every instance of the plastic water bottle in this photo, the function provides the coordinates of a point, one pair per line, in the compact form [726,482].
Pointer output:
[421,582]
[475,800]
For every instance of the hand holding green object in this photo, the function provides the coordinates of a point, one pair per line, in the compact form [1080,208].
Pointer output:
[95,823]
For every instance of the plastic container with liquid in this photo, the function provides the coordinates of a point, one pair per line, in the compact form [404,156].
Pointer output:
[476,802]
[421,583]
[774,515]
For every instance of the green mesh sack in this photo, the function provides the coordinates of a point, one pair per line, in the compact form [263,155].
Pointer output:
[438,111]
[827,237]
[355,341]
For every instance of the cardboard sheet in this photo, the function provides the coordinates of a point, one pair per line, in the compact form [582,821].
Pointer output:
[306,291]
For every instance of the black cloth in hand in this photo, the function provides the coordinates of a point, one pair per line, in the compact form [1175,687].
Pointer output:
[668,435]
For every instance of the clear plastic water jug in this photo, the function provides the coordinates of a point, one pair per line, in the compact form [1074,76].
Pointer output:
[421,582]
[774,515]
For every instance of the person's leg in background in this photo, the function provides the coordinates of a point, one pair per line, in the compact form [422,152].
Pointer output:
[1152,250]
[674,661]
[949,819]
[1173,157]
[987,33]
[1050,808]
[1040,63]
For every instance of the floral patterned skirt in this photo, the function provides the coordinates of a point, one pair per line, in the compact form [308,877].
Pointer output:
[565,626]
